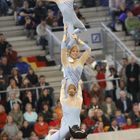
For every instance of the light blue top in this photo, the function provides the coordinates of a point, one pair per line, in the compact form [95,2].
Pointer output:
[71,116]
[30,117]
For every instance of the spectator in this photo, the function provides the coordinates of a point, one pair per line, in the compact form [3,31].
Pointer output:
[10,128]
[100,128]
[19,136]
[17,115]
[4,136]
[108,107]
[113,126]
[94,103]
[23,12]
[120,118]
[5,66]
[46,112]
[44,37]
[89,72]
[113,72]
[39,11]
[135,114]
[33,78]
[109,91]
[29,99]
[3,117]
[58,110]
[3,45]
[101,76]
[22,66]
[100,116]
[116,7]
[89,120]
[122,73]
[3,86]
[12,100]
[132,74]
[129,124]
[25,84]
[132,24]
[124,103]
[41,127]
[55,122]
[30,27]
[3,8]
[50,18]
[17,4]
[33,136]
[11,55]
[43,84]
[26,130]
[13,88]
[45,98]
[136,9]
[16,76]
[79,15]
[29,115]
[96,91]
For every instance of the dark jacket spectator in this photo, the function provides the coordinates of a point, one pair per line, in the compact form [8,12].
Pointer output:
[39,11]
[124,103]
[132,74]
[33,78]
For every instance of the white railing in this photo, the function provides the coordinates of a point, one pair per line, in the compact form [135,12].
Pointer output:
[112,44]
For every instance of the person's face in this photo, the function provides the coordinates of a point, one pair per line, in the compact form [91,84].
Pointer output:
[129,14]
[16,107]
[50,13]
[5,137]
[100,125]
[94,100]
[12,82]
[40,3]
[40,119]
[99,113]
[136,108]
[72,90]
[28,108]
[29,94]
[26,4]
[15,72]
[122,84]
[114,123]
[1,72]
[74,52]
[30,71]
[122,95]
[124,62]
[109,100]
[42,80]
[46,108]
[9,119]
[45,92]
[4,61]
[132,61]
[2,38]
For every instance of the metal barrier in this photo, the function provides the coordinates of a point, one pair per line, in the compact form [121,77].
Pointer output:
[114,46]
[39,87]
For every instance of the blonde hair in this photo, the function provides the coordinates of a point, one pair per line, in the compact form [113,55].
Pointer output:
[74,46]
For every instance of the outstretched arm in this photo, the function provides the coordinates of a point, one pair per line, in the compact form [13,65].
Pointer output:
[87,52]
[64,52]
[80,89]
[62,90]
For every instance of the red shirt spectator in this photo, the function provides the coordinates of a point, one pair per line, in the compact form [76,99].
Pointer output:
[129,125]
[41,127]
[101,76]
[86,98]
[3,117]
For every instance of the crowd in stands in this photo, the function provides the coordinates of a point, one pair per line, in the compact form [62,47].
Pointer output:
[109,104]
[127,12]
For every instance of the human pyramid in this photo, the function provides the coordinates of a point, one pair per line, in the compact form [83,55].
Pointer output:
[71,92]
